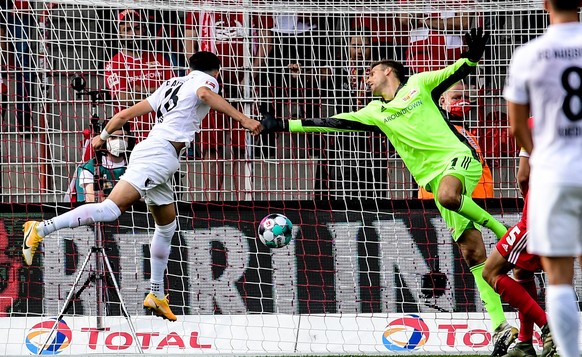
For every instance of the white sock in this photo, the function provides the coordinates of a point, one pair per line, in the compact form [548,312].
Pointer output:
[105,211]
[159,253]
[563,318]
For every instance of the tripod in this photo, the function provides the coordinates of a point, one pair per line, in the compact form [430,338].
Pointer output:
[99,274]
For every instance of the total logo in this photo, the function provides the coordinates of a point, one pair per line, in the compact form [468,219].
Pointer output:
[37,335]
[405,334]
[105,338]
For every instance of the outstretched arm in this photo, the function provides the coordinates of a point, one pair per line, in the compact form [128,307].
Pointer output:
[349,122]
[216,102]
[326,125]
[119,120]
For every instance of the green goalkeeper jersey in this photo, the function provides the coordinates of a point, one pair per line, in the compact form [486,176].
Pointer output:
[412,121]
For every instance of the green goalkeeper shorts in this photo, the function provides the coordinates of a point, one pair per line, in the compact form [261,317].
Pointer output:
[468,170]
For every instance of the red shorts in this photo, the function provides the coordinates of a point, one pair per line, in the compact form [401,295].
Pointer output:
[513,248]
[217,128]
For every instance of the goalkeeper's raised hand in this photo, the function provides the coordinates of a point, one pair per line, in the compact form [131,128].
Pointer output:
[476,40]
[271,124]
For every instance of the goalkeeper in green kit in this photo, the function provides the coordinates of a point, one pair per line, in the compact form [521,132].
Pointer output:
[440,159]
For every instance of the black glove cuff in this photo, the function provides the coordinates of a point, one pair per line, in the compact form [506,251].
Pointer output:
[470,57]
[272,125]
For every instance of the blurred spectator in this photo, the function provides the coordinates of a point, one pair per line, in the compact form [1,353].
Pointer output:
[456,105]
[357,161]
[167,31]
[111,166]
[346,85]
[435,38]
[495,139]
[134,73]
[224,34]
[15,60]
[389,36]
[296,40]
[515,27]
[298,48]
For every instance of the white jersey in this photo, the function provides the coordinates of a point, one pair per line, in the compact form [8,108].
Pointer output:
[546,73]
[179,111]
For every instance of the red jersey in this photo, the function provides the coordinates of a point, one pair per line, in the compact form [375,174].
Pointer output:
[223,34]
[429,48]
[384,29]
[148,71]
[124,73]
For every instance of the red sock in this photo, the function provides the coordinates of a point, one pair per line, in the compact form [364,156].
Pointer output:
[519,296]
[530,286]
[526,326]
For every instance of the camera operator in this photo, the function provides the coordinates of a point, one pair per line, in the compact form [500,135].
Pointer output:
[112,165]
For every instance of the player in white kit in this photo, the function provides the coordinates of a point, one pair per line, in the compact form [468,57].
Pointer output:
[545,78]
[180,105]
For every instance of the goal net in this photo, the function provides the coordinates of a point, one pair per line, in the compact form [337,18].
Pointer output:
[371,269]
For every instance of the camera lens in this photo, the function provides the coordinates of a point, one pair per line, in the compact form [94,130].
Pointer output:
[78,83]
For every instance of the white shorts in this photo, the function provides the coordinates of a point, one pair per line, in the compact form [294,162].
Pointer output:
[150,170]
[554,220]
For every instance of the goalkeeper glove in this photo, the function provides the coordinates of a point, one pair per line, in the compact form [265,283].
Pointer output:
[476,40]
[272,125]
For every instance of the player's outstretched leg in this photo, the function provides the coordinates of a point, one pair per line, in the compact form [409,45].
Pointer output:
[450,196]
[34,232]
[472,211]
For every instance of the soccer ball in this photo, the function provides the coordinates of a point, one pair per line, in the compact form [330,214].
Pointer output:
[275,230]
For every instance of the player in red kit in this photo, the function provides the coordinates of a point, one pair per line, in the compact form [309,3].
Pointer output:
[520,291]
[134,73]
